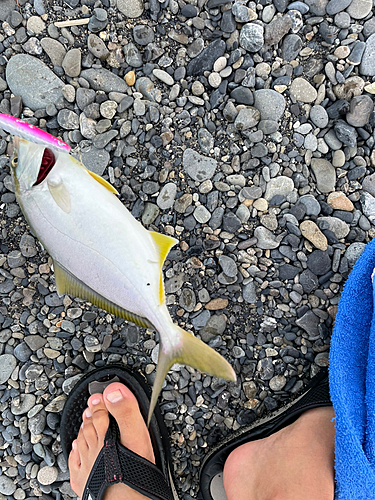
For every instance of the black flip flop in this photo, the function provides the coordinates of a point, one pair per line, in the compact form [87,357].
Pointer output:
[315,395]
[115,463]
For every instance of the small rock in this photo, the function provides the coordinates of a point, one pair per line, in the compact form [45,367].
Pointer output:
[303,91]
[312,233]
[198,167]
[325,175]
[251,37]
[339,201]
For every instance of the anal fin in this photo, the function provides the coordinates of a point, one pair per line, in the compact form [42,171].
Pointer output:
[66,282]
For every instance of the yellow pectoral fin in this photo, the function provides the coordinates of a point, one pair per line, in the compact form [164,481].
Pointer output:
[193,352]
[60,194]
[103,182]
[66,282]
[163,244]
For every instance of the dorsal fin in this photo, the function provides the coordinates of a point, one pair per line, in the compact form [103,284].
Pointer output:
[103,182]
[163,244]
[66,282]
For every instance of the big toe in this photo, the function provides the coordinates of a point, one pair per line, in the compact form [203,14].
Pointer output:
[123,406]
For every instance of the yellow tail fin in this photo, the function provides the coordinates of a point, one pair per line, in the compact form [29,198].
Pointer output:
[193,352]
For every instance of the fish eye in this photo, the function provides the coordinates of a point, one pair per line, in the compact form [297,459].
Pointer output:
[15,162]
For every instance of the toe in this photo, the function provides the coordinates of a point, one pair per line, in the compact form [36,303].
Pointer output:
[123,405]
[95,421]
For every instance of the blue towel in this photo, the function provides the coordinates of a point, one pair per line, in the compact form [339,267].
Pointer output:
[352,382]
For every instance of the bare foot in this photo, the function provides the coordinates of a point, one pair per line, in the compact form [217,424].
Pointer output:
[122,404]
[295,463]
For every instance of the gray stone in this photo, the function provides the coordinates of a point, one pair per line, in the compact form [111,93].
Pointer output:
[132,55]
[150,213]
[228,266]
[7,486]
[265,368]
[205,140]
[187,299]
[167,196]
[31,79]
[342,20]
[355,56]
[163,76]
[367,66]
[335,6]
[369,27]
[354,251]
[23,404]
[143,34]
[251,37]
[54,49]
[319,117]
[97,47]
[205,60]
[345,133]
[249,293]
[317,7]
[102,79]
[72,63]
[368,206]
[309,322]
[6,7]
[266,239]
[277,29]
[361,108]
[334,224]
[67,119]
[270,104]
[201,214]
[198,167]
[28,245]
[359,9]
[281,185]
[84,97]
[292,45]
[325,175]
[131,8]
[368,184]
[247,118]
[47,475]
[303,91]
[94,159]
[7,364]
[231,223]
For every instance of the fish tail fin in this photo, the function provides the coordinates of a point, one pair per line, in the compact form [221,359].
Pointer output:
[193,352]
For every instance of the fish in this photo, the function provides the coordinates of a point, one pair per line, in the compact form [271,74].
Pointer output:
[27,131]
[102,254]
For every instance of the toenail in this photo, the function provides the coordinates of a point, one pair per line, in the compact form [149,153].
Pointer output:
[74,445]
[95,401]
[88,413]
[115,396]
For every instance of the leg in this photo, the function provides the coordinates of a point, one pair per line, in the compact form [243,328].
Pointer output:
[122,404]
[295,463]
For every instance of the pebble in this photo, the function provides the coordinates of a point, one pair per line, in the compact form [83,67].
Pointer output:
[198,167]
[131,8]
[339,201]
[361,108]
[325,175]
[47,475]
[358,9]
[303,91]
[270,104]
[251,37]
[7,364]
[33,81]
[311,232]
[278,186]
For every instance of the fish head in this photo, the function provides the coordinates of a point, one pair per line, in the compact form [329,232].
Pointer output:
[30,165]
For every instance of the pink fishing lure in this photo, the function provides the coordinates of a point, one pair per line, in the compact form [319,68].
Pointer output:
[17,127]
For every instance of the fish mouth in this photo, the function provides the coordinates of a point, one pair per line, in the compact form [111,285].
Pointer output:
[47,164]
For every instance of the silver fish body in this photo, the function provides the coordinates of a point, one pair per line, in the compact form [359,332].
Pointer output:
[101,253]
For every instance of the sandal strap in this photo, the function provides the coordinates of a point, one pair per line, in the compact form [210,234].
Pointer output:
[117,464]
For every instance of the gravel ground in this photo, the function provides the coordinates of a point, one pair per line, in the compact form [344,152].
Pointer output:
[244,129]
